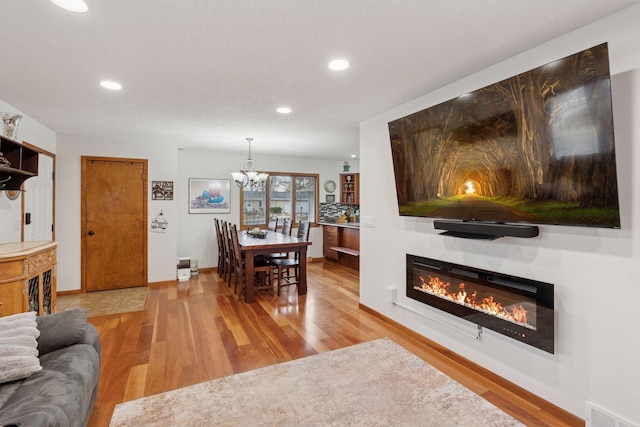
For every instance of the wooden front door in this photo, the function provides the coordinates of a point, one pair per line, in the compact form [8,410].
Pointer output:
[114,223]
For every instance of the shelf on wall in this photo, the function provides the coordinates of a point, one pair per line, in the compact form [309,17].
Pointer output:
[23,164]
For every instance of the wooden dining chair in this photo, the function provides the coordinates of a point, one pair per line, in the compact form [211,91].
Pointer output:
[225,251]
[283,267]
[221,247]
[262,270]
[286,229]
[287,225]
[272,226]
[229,255]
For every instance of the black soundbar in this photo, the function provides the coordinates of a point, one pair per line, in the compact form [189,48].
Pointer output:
[484,230]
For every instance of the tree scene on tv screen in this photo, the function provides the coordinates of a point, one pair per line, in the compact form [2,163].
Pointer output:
[537,147]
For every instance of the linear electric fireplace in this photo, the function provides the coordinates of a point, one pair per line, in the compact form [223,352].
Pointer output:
[518,308]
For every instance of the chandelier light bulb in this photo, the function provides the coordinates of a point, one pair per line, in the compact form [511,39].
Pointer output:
[250,178]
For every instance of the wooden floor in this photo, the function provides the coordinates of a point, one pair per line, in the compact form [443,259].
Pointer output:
[196,331]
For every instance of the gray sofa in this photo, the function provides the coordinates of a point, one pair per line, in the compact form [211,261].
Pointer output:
[64,391]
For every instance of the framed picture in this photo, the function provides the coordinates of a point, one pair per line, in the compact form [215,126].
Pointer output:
[161,190]
[209,195]
[331,198]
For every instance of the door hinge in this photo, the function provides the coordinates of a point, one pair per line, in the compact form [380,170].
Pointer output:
[53,228]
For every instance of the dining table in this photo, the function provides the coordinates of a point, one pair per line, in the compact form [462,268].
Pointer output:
[271,242]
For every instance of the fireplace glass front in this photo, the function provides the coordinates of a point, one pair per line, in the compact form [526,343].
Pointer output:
[519,308]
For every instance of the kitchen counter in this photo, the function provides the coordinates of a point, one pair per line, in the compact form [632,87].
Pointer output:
[355,225]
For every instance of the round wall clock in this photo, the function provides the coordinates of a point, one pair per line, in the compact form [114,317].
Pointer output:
[12,194]
[330,186]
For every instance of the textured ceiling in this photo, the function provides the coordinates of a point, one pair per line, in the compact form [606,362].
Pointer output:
[209,73]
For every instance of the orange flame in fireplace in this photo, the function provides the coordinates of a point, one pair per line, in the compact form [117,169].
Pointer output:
[438,287]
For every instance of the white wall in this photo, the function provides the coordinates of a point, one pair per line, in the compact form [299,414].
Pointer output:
[32,131]
[10,210]
[162,166]
[597,354]
[190,235]
[196,238]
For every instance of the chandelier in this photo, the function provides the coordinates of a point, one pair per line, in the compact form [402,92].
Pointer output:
[249,178]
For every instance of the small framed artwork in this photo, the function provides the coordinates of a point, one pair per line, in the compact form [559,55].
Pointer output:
[161,190]
[331,198]
[209,195]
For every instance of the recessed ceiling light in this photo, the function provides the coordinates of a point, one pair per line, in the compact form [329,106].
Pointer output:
[284,110]
[72,5]
[353,156]
[110,85]
[339,64]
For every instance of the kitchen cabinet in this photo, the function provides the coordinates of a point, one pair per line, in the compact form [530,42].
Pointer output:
[330,240]
[342,244]
[350,188]
[28,277]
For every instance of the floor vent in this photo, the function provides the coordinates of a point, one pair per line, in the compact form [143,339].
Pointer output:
[598,417]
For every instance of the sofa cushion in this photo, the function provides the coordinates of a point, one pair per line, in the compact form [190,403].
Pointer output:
[18,347]
[60,394]
[6,390]
[60,329]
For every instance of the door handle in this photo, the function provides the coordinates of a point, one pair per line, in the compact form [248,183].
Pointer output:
[91,233]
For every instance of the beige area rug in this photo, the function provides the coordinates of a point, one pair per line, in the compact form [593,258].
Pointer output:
[377,383]
[103,303]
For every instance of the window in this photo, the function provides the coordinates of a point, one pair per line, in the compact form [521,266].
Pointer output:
[292,196]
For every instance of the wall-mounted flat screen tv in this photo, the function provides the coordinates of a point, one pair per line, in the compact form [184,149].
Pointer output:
[535,148]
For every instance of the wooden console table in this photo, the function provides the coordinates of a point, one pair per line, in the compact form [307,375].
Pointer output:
[28,277]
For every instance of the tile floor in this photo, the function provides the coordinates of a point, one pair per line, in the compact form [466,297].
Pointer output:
[105,302]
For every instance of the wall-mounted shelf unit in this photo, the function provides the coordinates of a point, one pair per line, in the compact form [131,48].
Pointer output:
[350,188]
[23,164]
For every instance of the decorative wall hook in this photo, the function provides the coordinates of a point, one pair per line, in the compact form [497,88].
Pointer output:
[159,224]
